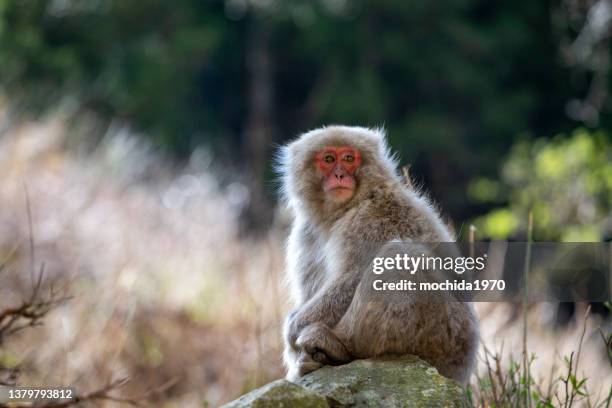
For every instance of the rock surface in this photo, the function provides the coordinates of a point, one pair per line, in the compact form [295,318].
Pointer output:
[400,382]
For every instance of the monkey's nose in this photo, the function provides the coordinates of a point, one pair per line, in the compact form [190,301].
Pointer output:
[340,176]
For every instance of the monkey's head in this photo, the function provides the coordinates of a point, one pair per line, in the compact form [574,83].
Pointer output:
[329,169]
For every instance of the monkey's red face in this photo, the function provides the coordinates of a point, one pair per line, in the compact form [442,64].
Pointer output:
[337,166]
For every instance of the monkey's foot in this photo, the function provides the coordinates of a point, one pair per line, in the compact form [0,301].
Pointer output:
[306,364]
[318,341]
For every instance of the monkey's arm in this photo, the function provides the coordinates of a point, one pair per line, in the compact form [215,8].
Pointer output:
[327,306]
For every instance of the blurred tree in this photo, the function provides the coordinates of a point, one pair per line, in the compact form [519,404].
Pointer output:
[566,183]
[259,125]
[453,82]
[164,67]
[587,50]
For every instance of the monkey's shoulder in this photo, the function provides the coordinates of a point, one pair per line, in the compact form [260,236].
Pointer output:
[386,214]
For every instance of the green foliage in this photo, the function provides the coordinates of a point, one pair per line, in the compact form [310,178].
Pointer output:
[566,182]
[453,82]
[145,62]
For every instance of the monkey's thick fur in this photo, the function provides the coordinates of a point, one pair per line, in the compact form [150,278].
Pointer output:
[337,317]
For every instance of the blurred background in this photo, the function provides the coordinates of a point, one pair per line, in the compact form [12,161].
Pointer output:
[136,146]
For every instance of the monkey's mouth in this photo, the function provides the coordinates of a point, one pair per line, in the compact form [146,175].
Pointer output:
[345,184]
[340,194]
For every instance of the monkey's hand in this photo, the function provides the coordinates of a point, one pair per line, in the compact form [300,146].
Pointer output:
[326,307]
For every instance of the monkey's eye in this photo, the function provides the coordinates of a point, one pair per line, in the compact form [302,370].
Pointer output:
[349,158]
[328,158]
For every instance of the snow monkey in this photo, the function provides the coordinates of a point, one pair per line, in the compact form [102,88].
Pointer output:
[346,197]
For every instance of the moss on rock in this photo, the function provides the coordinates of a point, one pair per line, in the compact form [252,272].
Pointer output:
[392,382]
[280,393]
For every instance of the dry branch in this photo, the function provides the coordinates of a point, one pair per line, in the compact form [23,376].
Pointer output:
[32,310]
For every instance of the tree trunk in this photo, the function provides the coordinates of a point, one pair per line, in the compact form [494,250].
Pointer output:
[258,131]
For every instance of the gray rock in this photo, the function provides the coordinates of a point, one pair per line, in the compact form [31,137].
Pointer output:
[391,382]
[280,393]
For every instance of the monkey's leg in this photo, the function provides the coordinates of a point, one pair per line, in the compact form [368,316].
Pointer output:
[319,341]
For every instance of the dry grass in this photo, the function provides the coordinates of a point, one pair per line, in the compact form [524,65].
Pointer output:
[555,355]
[163,289]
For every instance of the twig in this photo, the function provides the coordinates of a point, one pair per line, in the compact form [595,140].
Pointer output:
[607,339]
[584,327]
[496,398]
[9,376]
[571,378]
[29,314]
[526,373]
[500,377]
[30,234]
[552,381]
[32,310]
[566,380]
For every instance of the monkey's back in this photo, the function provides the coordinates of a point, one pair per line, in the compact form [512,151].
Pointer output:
[434,325]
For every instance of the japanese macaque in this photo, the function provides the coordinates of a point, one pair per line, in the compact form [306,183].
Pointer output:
[346,198]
